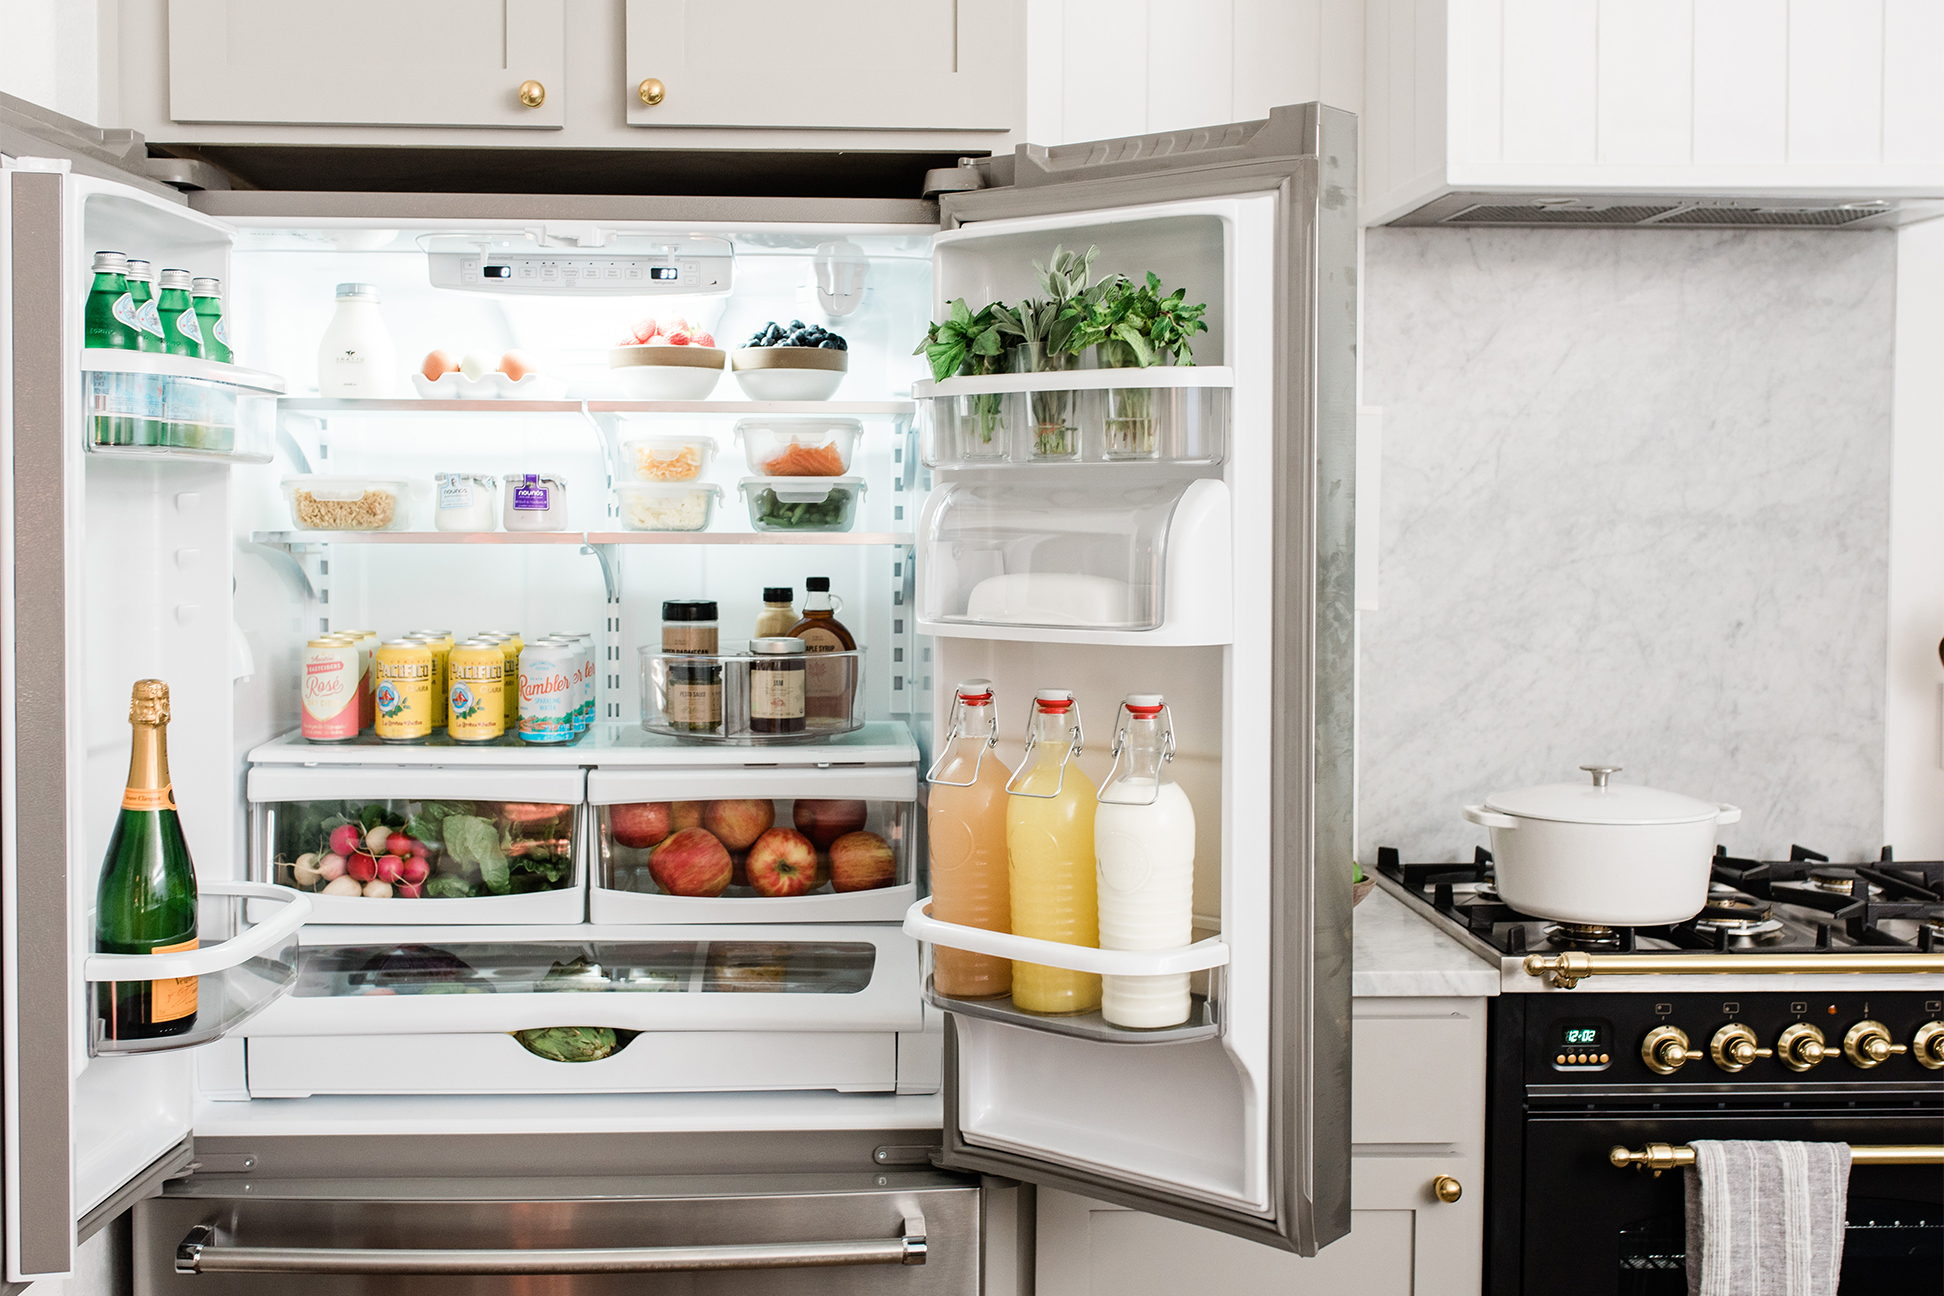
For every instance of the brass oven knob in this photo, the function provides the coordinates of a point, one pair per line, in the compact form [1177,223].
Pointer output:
[1665,1050]
[651,92]
[1927,1045]
[1800,1046]
[1868,1043]
[532,93]
[1447,1189]
[1734,1047]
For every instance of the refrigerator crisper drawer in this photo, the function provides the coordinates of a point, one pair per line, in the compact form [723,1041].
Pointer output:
[465,845]
[796,845]
[887,1234]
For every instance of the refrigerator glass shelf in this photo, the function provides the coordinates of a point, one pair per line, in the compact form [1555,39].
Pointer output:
[608,744]
[241,968]
[1202,1021]
[727,408]
[584,538]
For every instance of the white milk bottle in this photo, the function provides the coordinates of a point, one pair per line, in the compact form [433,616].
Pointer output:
[1144,845]
[356,357]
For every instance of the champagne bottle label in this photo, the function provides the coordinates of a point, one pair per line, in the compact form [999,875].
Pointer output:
[162,798]
[175,998]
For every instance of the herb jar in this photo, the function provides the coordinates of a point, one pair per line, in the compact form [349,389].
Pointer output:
[776,679]
[464,501]
[536,502]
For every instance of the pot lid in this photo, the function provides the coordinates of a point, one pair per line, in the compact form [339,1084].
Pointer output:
[1600,801]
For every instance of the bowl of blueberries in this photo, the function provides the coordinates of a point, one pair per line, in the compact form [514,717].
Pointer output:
[793,362]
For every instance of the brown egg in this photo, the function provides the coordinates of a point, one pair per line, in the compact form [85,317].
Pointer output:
[438,363]
[517,365]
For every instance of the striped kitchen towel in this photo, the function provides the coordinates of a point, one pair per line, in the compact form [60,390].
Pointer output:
[1766,1219]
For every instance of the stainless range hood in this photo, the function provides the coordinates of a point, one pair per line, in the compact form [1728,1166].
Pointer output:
[1666,211]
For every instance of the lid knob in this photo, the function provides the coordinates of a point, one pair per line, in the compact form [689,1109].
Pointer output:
[1601,773]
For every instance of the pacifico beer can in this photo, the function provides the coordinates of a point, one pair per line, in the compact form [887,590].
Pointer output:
[548,691]
[476,693]
[405,673]
[509,646]
[330,690]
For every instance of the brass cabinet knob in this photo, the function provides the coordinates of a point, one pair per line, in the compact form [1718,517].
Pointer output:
[1868,1043]
[651,92]
[532,93]
[1800,1046]
[1927,1045]
[1447,1189]
[1733,1047]
[1665,1050]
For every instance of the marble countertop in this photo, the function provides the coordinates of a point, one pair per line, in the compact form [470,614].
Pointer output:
[1396,954]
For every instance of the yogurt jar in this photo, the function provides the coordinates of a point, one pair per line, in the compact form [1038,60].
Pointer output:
[535,502]
[464,501]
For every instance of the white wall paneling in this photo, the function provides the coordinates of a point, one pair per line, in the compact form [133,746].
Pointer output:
[1741,82]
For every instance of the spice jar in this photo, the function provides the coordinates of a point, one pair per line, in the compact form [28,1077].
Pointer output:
[694,702]
[776,686]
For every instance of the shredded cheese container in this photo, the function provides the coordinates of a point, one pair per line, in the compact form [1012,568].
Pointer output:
[464,501]
[669,507]
[535,502]
[668,457]
[325,502]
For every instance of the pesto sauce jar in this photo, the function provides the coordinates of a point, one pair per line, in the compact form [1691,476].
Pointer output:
[694,702]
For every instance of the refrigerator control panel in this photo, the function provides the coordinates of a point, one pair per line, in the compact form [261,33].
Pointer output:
[583,274]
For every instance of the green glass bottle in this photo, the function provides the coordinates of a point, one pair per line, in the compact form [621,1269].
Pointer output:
[109,317]
[207,294]
[148,316]
[181,329]
[146,901]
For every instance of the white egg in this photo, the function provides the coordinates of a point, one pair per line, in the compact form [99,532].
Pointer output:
[478,364]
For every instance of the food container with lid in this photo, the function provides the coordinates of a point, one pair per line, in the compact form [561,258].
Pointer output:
[463,501]
[667,457]
[328,502]
[802,503]
[799,447]
[666,506]
[535,502]
[1603,853]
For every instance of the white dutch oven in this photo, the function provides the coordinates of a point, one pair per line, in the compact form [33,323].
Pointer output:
[1609,853]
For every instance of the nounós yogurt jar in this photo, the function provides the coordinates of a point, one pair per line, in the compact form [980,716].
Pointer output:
[465,501]
[535,502]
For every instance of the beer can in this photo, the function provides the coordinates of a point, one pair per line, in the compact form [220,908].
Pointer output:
[330,690]
[440,642]
[476,700]
[548,691]
[405,673]
[509,646]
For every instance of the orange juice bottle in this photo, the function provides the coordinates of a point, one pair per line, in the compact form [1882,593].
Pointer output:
[967,820]
[1050,852]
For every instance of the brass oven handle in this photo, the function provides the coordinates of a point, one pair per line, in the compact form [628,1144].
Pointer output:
[199,1253]
[1665,1156]
[1567,970]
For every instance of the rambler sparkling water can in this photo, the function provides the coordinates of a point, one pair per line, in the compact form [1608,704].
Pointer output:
[330,690]
[584,708]
[547,691]
[476,693]
[405,690]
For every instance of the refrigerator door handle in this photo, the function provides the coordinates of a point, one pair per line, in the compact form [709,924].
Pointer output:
[199,1253]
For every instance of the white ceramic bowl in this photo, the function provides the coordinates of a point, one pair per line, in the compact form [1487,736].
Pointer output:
[666,373]
[786,373]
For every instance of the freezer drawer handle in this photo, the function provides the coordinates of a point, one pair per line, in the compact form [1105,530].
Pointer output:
[199,1254]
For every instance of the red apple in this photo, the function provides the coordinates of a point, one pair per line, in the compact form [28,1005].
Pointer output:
[862,861]
[739,867]
[782,863]
[684,814]
[361,867]
[639,825]
[739,823]
[690,863]
[823,822]
[346,838]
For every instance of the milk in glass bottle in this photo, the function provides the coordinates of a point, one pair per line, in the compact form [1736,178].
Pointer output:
[356,357]
[1144,840]
[1050,853]
[967,831]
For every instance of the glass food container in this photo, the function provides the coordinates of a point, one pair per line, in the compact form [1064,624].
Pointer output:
[799,447]
[666,506]
[325,502]
[668,457]
[802,503]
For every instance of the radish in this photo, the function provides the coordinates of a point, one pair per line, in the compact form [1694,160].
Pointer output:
[389,868]
[400,845]
[414,870]
[305,871]
[331,867]
[375,890]
[408,890]
[345,838]
[361,867]
[343,886]
[375,839]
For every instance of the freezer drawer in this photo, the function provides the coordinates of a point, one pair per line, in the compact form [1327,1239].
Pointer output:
[912,1234]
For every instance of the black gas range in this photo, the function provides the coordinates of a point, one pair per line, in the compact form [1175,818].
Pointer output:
[1805,1002]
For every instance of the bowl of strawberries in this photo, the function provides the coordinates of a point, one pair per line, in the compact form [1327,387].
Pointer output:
[667,360]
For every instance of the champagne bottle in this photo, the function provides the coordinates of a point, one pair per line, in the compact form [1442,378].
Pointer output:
[146,903]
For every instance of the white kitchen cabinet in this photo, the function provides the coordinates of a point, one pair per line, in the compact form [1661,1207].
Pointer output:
[1775,98]
[863,65]
[373,62]
[1418,1114]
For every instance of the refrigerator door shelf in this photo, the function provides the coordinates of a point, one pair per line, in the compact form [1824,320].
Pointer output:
[824,805]
[1132,421]
[1203,1020]
[1199,957]
[1106,560]
[150,405]
[249,960]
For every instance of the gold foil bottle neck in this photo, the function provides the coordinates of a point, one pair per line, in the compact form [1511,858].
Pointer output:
[148,703]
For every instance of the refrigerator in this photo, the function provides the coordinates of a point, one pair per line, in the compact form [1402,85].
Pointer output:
[354,1108]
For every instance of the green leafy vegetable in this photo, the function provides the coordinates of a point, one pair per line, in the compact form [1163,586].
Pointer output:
[449,886]
[425,826]
[569,1043]
[474,841]
[1356,872]
[1136,326]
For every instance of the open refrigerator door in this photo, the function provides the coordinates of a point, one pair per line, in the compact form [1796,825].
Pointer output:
[1184,531]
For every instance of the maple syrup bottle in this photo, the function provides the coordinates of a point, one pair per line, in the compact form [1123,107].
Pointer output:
[830,687]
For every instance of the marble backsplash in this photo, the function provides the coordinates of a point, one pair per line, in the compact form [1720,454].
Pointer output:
[1635,510]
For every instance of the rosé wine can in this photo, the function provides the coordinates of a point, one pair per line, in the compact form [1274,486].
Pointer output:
[332,688]
[549,691]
